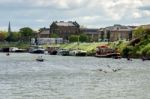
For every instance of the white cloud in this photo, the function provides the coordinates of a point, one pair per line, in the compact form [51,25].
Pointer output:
[146,13]
[137,15]
[40,20]
[86,12]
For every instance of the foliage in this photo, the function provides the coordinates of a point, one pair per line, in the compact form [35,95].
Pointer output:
[54,35]
[102,36]
[74,38]
[3,36]
[108,35]
[26,33]
[83,38]
[127,51]
[139,32]
[145,50]
[142,46]
[16,36]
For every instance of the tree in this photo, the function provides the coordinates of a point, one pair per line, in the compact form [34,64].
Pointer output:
[108,35]
[54,35]
[74,38]
[26,33]
[16,36]
[127,51]
[83,38]
[3,36]
[139,32]
[102,36]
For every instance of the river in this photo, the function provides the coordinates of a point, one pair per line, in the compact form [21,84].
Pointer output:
[59,77]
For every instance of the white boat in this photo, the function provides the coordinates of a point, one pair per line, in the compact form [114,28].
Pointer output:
[63,52]
[78,53]
[40,59]
[15,49]
[37,50]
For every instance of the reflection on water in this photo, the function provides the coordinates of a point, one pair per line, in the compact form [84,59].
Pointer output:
[21,77]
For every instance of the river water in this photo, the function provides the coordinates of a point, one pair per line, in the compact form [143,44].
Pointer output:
[59,77]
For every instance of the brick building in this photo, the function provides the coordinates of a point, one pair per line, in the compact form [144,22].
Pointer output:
[64,29]
[44,33]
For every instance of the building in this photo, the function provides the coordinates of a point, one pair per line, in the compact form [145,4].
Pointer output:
[145,26]
[93,34]
[9,38]
[118,32]
[64,29]
[44,33]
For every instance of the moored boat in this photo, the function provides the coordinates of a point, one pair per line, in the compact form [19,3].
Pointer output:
[15,49]
[63,52]
[37,50]
[52,50]
[106,52]
[78,53]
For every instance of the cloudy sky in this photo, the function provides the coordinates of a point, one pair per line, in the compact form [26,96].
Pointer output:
[89,13]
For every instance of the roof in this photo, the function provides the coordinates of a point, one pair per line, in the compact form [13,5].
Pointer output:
[146,26]
[44,31]
[89,30]
[119,28]
[66,24]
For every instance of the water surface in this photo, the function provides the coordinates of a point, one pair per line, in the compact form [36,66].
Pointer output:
[21,77]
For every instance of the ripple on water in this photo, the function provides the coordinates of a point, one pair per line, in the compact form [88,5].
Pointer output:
[72,78]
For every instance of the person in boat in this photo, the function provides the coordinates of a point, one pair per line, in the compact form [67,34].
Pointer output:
[128,57]
[7,54]
[143,58]
[40,59]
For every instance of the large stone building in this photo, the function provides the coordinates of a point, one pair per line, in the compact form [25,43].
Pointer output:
[93,34]
[64,29]
[117,32]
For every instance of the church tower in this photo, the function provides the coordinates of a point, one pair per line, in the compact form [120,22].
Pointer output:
[9,32]
[9,29]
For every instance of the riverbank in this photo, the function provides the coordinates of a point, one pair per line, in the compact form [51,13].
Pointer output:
[89,47]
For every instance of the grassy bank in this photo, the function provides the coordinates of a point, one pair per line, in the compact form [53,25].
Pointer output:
[91,47]
[14,44]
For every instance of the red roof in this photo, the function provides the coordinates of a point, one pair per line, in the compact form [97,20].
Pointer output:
[103,46]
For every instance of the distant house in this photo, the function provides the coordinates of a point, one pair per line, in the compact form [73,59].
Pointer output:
[145,26]
[64,29]
[118,32]
[44,33]
[92,33]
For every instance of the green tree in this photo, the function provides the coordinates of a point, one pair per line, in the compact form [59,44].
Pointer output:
[83,38]
[102,36]
[139,32]
[16,36]
[54,35]
[26,33]
[74,38]
[108,35]
[127,51]
[3,35]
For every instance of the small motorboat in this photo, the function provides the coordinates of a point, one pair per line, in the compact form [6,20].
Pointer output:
[40,59]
